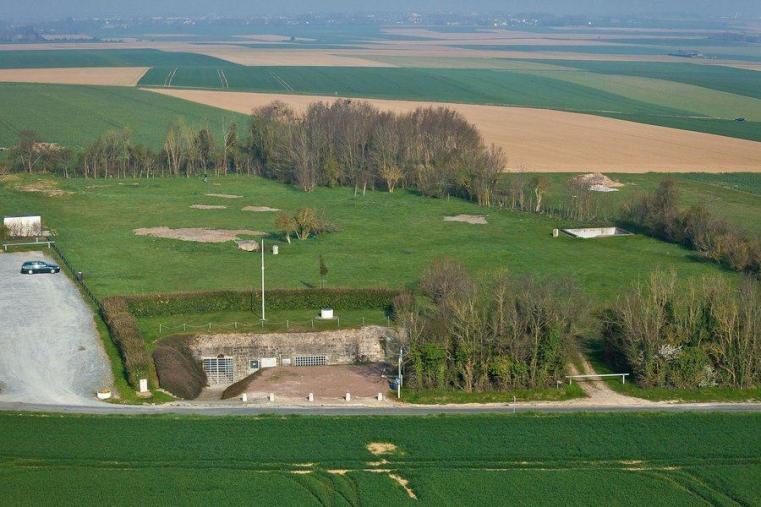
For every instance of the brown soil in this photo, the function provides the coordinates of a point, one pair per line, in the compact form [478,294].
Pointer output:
[325,382]
[207,206]
[378,448]
[468,219]
[105,76]
[542,140]
[225,196]
[259,209]
[199,235]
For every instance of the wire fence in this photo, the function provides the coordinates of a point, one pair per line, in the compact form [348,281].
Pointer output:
[270,325]
[78,277]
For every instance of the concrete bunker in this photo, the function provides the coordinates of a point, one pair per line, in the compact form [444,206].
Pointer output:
[229,358]
[597,232]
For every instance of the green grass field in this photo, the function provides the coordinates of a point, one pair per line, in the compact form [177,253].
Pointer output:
[679,459]
[731,196]
[76,115]
[382,239]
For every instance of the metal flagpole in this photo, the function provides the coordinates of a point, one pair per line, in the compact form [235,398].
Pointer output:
[263,316]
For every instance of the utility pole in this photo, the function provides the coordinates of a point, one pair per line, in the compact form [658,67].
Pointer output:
[263,316]
[399,375]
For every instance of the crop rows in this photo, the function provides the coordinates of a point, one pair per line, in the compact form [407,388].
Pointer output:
[476,460]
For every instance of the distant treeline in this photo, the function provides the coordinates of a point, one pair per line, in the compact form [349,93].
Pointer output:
[349,143]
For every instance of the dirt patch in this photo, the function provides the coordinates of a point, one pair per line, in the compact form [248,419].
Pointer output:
[103,76]
[225,196]
[597,182]
[325,382]
[403,483]
[542,140]
[378,448]
[48,188]
[259,209]
[199,235]
[468,219]
[208,206]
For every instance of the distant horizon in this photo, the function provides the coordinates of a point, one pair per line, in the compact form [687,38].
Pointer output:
[47,10]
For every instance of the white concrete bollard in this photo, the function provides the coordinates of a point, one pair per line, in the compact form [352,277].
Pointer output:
[380,396]
[348,397]
[143,385]
[271,397]
[244,398]
[310,397]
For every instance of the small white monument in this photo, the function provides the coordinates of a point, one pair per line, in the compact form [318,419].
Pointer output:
[143,385]
[326,314]
[348,397]
[310,397]
[271,397]
[275,249]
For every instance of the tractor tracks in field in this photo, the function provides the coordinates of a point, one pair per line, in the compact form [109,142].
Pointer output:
[170,77]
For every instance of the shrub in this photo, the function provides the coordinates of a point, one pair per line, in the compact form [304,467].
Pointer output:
[657,214]
[177,369]
[127,337]
[277,299]
[686,336]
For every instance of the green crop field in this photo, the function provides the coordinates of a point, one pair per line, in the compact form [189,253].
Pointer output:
[100,58]
[382,239]
[76,115]
[656,459]
[685,96]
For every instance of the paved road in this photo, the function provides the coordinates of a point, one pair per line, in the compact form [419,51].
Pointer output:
[50,351]
[415,410]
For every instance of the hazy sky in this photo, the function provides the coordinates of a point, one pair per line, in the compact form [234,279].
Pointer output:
[30,9]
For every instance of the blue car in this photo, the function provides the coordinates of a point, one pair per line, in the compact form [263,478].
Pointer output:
[35,267]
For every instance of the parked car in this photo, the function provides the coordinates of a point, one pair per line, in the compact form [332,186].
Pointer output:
[34,267]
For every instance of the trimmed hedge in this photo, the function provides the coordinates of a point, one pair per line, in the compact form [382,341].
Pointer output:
[276,299]
[127,337]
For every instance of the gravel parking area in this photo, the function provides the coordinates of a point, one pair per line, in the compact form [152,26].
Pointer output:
[328,383]
[50,351]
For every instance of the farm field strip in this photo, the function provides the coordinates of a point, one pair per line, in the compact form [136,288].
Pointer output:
[547,140]
[693,102]
[101,76]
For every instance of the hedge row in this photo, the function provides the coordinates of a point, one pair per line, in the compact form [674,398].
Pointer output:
[127,337]
[276,299]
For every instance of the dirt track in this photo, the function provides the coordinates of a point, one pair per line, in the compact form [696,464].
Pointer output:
[546,140]
[106,76]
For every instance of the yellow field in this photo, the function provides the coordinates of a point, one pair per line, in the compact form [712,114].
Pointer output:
[545,140]
[107,76]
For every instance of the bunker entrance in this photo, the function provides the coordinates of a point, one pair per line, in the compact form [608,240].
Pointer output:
[219,370]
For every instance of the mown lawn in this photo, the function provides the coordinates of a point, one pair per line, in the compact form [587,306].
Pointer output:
[382,239]
[660,459]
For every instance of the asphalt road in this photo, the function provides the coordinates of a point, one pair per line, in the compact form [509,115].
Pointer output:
[50,351]
[412,410]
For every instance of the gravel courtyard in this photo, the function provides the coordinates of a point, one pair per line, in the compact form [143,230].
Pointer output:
[50,351]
